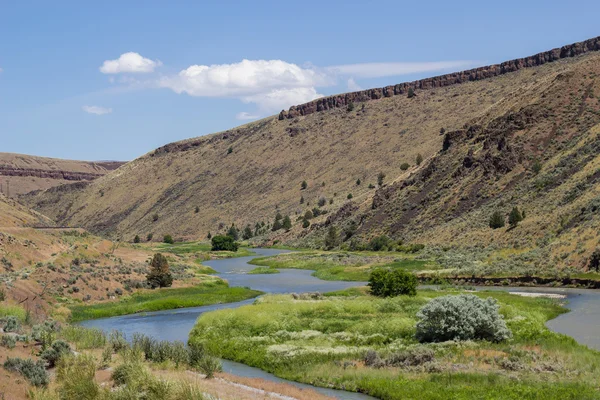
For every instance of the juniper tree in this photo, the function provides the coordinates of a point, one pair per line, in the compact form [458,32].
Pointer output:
[159,275]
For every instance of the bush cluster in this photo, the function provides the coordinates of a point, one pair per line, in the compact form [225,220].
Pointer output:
[461,317]
[408,358]
[224,243]
[33,371]
[385,282]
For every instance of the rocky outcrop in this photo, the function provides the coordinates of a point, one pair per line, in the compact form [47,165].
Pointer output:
[6,170]
[455,78]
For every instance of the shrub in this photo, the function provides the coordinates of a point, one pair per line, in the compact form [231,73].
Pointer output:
[2,294]
[159,275]
[33,371]
[349,196]
[8,341]
[149,237]
[308,214]
[12,324]
[230,150]
[55,352]
[331,240]
[594,262]
[536,167]
[117,341]
[209,365]
[247,234]
[411,93]
[358,182]
[379,243]
[385,282]
[514,217]
[380,178]
[303,185]
[155,217]
[223,243]
[404,166]
[371,186]
[462,317]
[322,201]
[411,248]
[136,239]
[497,220]
[305,223]
[419,159]
[287,223]
[168,239]
[350,107]
[45,333]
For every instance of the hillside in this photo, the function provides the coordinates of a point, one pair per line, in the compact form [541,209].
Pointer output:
[21,173]
[480,132]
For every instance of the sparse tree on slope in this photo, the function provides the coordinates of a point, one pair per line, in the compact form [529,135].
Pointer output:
[159,275]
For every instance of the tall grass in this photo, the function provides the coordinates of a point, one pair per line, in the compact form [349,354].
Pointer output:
[164,299]
[7,310]
[325,342]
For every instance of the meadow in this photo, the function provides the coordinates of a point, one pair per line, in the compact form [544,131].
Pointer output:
[344,266]
[353,341]
[214,292]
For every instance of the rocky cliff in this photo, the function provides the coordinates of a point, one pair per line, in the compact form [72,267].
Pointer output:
[455,78]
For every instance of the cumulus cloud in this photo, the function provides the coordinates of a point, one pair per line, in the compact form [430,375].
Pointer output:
[245,78]
[96,110]
[129,62]
[380,70]
[245,116]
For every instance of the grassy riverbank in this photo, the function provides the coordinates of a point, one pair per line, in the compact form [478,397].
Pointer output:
[215,292]
[323,341]
[344,266]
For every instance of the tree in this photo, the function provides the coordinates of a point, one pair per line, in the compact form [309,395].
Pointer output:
[350,230]
[379,243]
[350,107]
[247,233]
[233,232]
[136,239]
[301,199]
[305,223]
[358,182]
[257,227]
[287,223]
[404,166]
[371,186]
[419,159]
[322,201]
[308,215]
[349,196]
[159,275]
[331,240]
[277,225]
[385,282]
[411,93]
[155,217]
[168,239]
[380,178]
[209,235]
[536,167]
[230,150]
[594,263]
[224,243]
[514,217]
[497,220]
[149,237]
[304,185]
[197,210]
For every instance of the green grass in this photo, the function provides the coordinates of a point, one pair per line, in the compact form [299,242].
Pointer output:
[263,270]
[188,248]
[323,342]
[164,299]
[7,310]
[344,266]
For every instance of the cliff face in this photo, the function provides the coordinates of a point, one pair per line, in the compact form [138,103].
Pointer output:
[52,174]
[455,78]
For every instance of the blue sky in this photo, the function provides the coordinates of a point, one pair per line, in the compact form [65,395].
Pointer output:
[113,80]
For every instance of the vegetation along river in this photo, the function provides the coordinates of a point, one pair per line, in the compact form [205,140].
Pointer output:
[581,323]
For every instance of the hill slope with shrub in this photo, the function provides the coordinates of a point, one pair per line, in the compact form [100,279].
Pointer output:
[519,134]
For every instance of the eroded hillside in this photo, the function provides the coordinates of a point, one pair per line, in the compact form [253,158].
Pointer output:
[21,173]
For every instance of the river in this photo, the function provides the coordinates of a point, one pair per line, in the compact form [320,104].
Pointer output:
[582,323]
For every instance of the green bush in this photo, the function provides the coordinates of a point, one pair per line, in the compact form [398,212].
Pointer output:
[45,333]
[514,217]
[497,220]
[223,243]
[55,352]
[419,159]
[461,317]
[11,324]
[379,243]
[384,282]
[136,239]
[168,239]
[75,376]
[33,371]
[404,166]
[159,275]
[594,262]
[380,178]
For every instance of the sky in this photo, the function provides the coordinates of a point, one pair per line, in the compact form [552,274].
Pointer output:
[113,80]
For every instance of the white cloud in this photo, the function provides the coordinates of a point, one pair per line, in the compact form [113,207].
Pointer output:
[245,116]
[353,86]
[129,62]
[279,99]
[96,110]
[379,70]
[1,70]
[245,78]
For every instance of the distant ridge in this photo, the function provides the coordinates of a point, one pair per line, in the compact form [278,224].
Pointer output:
[475,74]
